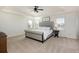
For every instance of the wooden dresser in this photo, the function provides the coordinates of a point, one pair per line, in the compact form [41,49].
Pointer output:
[3,42]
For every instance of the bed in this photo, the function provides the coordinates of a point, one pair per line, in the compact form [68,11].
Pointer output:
[42,33]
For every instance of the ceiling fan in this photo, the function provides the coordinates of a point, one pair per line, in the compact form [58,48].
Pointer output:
[37,9]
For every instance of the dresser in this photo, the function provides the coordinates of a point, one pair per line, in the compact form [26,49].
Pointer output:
[3,42]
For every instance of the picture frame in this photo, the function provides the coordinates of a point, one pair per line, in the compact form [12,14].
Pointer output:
[46,18]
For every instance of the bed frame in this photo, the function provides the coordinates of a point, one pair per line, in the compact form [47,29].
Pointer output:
[40,36]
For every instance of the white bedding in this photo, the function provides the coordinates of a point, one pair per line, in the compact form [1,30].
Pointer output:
[47,33]
[44,30]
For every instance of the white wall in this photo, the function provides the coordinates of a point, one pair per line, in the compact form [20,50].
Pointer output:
[12,24]
[78,26]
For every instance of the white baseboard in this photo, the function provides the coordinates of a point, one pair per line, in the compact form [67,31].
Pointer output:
[17,35]
[69,37]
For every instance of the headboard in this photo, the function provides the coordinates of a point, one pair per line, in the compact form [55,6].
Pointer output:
[47,24]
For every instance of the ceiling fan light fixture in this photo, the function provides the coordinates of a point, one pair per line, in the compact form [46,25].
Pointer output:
[36,9]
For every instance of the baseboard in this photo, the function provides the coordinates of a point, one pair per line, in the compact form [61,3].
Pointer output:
[22,34]
[68,37]
[18,35]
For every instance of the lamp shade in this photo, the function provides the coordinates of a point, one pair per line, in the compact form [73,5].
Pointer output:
[29,23]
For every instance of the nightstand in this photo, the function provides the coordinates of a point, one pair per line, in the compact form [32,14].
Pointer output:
[56,33]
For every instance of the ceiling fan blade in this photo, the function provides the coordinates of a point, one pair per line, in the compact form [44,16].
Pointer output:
[40,9]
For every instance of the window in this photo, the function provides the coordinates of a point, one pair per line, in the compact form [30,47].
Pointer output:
[36,20]
[60,20]
[59,23]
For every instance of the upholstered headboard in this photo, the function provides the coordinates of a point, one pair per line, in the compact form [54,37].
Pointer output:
[46,24]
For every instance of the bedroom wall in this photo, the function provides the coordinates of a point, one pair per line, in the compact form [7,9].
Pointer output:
[78,27]
[71,25]
[12,24]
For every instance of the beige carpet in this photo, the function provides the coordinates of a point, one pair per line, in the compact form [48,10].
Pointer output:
[52,45]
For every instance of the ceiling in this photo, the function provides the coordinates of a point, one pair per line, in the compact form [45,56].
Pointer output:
[48,10]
